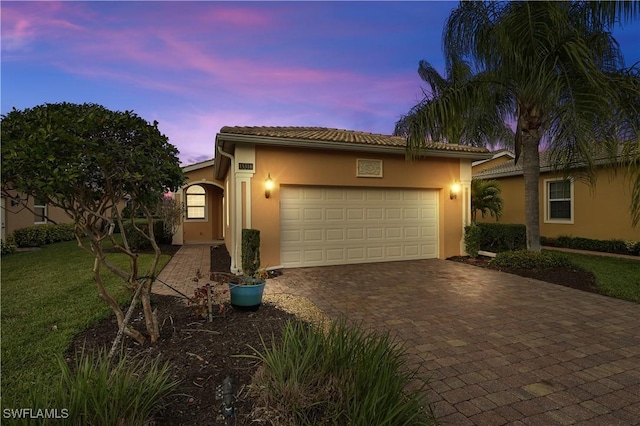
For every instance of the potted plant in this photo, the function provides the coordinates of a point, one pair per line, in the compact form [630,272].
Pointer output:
[246,290]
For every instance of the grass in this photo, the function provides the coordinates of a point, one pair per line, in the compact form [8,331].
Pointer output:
[615,277]
[48,296]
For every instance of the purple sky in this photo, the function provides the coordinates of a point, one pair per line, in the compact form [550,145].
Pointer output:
[198,66]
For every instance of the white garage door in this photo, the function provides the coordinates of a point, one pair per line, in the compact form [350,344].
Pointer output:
[333,226]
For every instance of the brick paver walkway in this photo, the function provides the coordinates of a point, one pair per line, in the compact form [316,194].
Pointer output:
[497,348]
[183,268]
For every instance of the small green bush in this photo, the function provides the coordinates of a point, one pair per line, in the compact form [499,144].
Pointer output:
[138,242]
[8,245]
[250,251]
[524,259]
[40,235]
[339,376]
[499,237]
[98,392]
[472,235]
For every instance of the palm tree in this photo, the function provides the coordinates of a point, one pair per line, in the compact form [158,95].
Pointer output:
[485,198]
[478,127]
[552,69]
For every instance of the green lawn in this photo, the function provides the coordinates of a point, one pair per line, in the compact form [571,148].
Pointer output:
[616,277]
[47,297]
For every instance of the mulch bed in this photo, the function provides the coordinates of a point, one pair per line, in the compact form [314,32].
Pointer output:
[203,354]
[568,277]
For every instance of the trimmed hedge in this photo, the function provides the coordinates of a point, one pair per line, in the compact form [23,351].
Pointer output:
[524,259]
[138,241]
[250,251]
[472,234]
[499,237]
[40,235]
[607,246]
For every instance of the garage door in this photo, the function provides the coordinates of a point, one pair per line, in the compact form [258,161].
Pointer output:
[334,226]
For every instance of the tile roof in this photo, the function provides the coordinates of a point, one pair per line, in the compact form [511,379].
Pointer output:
[509,168]
[323,134]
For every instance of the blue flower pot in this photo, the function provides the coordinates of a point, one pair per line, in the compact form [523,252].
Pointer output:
[246,296]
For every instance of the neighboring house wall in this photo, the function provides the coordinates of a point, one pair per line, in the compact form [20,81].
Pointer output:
[17,216]
[290,166]
[599,212]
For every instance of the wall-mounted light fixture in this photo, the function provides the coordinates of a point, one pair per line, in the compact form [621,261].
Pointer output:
[268,186]
[454,191]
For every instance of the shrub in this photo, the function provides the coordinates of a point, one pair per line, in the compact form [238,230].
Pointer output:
[342,375]
[472,239]
[98,392]
[8,245]
[138,242]
[250,251]
[40,235]
[524,259]
[499,237]
[607,246]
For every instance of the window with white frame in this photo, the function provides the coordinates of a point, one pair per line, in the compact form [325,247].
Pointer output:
[559,200]
[39,211]
[196,202]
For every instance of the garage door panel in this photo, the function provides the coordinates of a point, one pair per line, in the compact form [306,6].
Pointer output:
[375,214]
[334,213]
[330,226]
[375,233]
[393,232]
[334,235]
[355,234]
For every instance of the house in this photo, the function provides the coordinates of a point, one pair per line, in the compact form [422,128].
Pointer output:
[498,158]
[325,196]
[568,205]
[14,215]
[202,197]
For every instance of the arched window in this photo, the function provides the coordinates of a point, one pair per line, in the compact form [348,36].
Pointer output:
[196,202]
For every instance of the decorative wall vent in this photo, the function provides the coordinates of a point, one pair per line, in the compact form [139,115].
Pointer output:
[368,168]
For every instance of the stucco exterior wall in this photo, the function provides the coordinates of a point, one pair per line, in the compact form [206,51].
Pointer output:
[324,168]
[199,230]
[601,212]
[17,217]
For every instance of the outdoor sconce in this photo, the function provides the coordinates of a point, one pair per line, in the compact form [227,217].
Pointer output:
[455,189]
[268,186]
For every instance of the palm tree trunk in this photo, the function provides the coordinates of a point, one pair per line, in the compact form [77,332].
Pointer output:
[531,166]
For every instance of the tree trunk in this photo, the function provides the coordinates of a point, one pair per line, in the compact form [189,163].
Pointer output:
[531,166]
[104,295]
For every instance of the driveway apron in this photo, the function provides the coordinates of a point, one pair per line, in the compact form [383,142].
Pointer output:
[496,348]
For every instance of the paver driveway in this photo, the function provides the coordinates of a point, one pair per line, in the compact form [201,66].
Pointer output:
[498,348]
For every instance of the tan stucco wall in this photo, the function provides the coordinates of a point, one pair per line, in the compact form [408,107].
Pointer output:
[211,228]
[17,217]
[315,167]
[601,212]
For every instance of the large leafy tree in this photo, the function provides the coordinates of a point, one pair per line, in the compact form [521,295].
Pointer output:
[86,159]
[554,71]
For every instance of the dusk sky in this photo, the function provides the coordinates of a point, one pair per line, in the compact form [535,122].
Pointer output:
[198,66]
